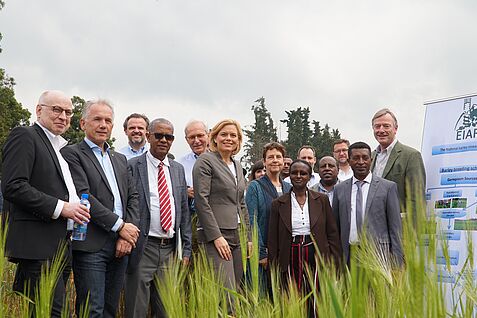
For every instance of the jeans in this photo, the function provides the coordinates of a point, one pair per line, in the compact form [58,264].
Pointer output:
[99,276]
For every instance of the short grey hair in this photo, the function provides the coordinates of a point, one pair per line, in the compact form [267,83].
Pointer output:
[156,121]
[87,106]
[195,121]
[383,112]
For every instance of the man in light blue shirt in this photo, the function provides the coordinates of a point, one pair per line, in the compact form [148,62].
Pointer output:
[328,171]
[100,261]
[196,135]
[135,126]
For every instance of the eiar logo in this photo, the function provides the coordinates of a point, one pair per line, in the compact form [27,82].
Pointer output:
[466,120]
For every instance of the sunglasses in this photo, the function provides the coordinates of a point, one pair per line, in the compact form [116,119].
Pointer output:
[159,136]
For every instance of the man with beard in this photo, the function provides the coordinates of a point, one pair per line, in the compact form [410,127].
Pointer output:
[340,152]
[328,171]
[135,126]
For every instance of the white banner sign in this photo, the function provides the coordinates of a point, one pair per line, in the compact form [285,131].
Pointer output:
[449,150]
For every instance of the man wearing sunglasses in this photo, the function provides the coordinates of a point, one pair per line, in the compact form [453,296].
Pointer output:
[40,196]
[161,184]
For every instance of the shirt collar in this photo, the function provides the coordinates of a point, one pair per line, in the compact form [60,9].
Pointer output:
[141,150]
[389,148]
[368,178]
[56,140]
[156,161]
[92,145]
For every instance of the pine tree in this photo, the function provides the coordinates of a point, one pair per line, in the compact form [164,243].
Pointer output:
[260,133]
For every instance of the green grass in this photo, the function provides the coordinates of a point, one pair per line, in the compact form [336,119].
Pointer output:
[370,288]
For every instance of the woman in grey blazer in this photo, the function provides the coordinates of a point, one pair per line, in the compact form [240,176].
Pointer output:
[219,187]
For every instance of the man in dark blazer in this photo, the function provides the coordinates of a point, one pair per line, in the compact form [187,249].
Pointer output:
[156,247]
[397,162]
[99,262]
[39,195]
[366,200]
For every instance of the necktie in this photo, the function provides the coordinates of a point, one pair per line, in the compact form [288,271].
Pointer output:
[164,200]
[359,206]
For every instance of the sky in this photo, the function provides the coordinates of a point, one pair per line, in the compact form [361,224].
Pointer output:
[210,60]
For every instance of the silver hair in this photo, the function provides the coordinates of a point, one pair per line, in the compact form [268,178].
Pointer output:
[87,106]
[195,121]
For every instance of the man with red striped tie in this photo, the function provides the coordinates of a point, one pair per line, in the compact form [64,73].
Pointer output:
[164,214]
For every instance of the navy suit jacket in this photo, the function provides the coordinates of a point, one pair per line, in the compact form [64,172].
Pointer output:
[138,172]
[88,177]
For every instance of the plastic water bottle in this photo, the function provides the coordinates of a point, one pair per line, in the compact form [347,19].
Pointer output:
[79,230]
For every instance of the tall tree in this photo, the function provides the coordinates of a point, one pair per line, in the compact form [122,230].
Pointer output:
[260,133]
[322,139]
[12,113]
[74,134]
[298,128]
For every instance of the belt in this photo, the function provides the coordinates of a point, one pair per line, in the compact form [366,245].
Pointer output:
[162,241]
[301,239]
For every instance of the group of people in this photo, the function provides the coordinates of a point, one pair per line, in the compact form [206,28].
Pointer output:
[142,200]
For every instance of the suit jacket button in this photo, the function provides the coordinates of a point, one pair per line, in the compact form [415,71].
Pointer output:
[67,197]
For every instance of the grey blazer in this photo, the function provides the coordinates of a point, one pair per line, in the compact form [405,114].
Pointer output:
[218,198]
[137,168]
[382,216]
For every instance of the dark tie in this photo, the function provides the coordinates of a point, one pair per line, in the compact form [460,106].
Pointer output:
[359,206]
[164,199]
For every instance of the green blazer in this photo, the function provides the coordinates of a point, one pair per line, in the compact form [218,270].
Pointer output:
[406,168]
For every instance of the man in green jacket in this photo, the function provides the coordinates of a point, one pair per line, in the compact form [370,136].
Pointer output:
[397,162]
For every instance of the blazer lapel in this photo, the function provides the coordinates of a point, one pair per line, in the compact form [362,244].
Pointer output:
[142,169]
[393,156]
[122,186]
[284,211]
[89,153]
[52,152]
[373,187]
[314,205]
[349,188]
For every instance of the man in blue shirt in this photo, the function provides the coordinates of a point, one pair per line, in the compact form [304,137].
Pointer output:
[135,127]
[100,261]
[196,135]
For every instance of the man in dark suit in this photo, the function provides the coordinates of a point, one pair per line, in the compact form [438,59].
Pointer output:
[366,200]
[39,195]
[99,262]
[156,175]
[397,162]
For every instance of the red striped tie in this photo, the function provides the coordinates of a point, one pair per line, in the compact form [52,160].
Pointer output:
[164,200]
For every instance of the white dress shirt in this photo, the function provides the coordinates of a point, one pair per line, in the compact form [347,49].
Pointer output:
[353,231]
[343,175]
[300,218]
[155,228]
[188,162]
[382,157]
[58,142]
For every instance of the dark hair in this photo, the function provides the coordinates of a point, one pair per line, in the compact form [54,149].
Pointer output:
[135,115]
[341,141]
[306,147]
[358,145]
[273,145]
[304,162]
[256,166]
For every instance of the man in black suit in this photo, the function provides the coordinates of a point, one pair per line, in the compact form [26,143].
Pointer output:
[99,262]
[39,194]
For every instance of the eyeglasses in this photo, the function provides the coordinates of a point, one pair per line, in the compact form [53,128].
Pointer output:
[159,136]
[340,150]
[193,137]
[57,110]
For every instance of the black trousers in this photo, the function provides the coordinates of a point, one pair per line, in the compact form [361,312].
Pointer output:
[28,274]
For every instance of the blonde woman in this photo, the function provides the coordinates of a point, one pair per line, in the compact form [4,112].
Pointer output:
[219,187]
